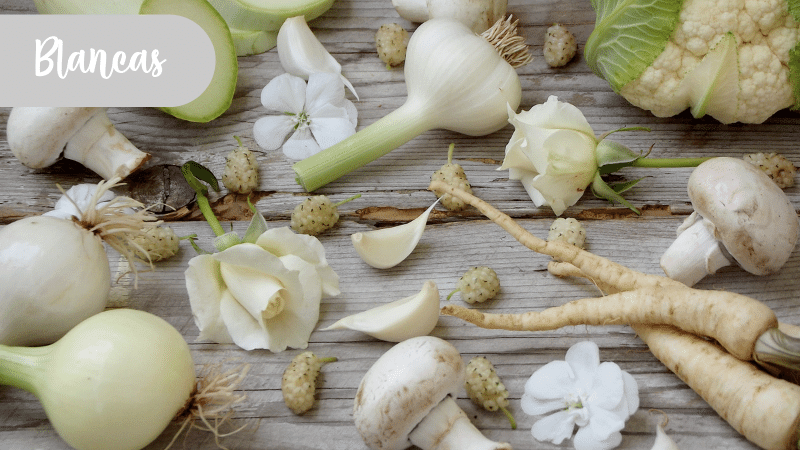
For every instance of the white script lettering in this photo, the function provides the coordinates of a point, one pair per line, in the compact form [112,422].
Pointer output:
[50,56]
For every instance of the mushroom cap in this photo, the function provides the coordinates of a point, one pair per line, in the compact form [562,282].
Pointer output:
[752,216]
[401,388]
[37,135]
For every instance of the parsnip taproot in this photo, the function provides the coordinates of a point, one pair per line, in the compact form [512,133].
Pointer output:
[734,320]
[764,409]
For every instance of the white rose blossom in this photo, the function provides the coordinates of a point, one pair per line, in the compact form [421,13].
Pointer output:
[317,114]
[552,152]
[261,295]
[597,397]
[556,156]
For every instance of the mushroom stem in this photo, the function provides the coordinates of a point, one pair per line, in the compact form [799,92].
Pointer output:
[695,253]
[103,149]
[447,427]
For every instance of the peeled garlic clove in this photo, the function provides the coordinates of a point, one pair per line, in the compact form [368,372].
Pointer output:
[388,247]
[302,54]
[399,320]
[663,441]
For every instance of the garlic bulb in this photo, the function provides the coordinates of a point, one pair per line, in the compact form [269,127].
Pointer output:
[456,80]
[388,247]
[302,54]
[412,316]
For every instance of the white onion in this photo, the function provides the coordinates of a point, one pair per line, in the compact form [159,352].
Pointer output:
[113,382]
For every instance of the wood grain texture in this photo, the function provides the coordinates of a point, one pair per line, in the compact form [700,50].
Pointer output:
[393,191]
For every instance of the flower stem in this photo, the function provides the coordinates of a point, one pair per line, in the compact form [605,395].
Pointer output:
[669,162]
[367,145]
[208,213]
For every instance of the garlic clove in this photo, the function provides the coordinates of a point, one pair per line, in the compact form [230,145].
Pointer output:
[663,441]
[388,247]
[302,54]
[399,320]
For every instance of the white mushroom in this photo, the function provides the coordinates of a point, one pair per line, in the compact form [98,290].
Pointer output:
[740,216]
[479,15]
[407,398]
[40,136]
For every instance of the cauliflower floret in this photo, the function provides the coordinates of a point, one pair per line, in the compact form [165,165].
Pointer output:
[765,32]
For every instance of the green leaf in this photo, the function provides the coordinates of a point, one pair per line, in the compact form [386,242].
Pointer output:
[258,225]
[794,72]
[612,156]
[602,190]
[628,36]
[226,241]
[713,84]
[195,172]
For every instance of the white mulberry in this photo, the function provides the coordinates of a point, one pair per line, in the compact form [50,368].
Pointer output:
[160,243]
[478,284]
[391,41]
[241,170]
[484,387]
[568,230]
[316,214]
[780,169]
[299,381]
[559,45]
[454,175]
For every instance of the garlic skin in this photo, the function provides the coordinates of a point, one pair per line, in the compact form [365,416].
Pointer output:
[302,54]
[663,441]
[478,15]
[389,247]
[415,315]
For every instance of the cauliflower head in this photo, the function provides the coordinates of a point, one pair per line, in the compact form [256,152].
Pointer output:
[730,59]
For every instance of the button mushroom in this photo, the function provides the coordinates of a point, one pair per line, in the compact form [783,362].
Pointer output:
[406,398]
[740,216]
[40,136]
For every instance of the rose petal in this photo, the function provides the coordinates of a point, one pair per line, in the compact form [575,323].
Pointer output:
[555,114]
[283,241]
[301,145]
[246,332]
[259,293]
[553,428]
[270,132]
[205,287]
[284,93]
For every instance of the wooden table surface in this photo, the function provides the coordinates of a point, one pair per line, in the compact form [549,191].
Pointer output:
[393,191]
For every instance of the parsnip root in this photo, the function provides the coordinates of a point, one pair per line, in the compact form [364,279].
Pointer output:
[764,409]
[734,320]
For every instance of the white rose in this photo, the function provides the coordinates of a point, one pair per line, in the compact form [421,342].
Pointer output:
[552,152]
[261,295]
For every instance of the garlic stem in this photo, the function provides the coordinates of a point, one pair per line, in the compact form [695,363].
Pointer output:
[393,130]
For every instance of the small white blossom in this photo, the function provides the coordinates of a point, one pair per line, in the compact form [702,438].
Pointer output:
[597,397]
[317,114]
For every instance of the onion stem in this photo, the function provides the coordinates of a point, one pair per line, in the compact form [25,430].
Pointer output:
[20,367]
[369,144]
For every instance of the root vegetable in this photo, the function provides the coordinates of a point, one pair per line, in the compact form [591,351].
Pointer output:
[734,320]
[764,409]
